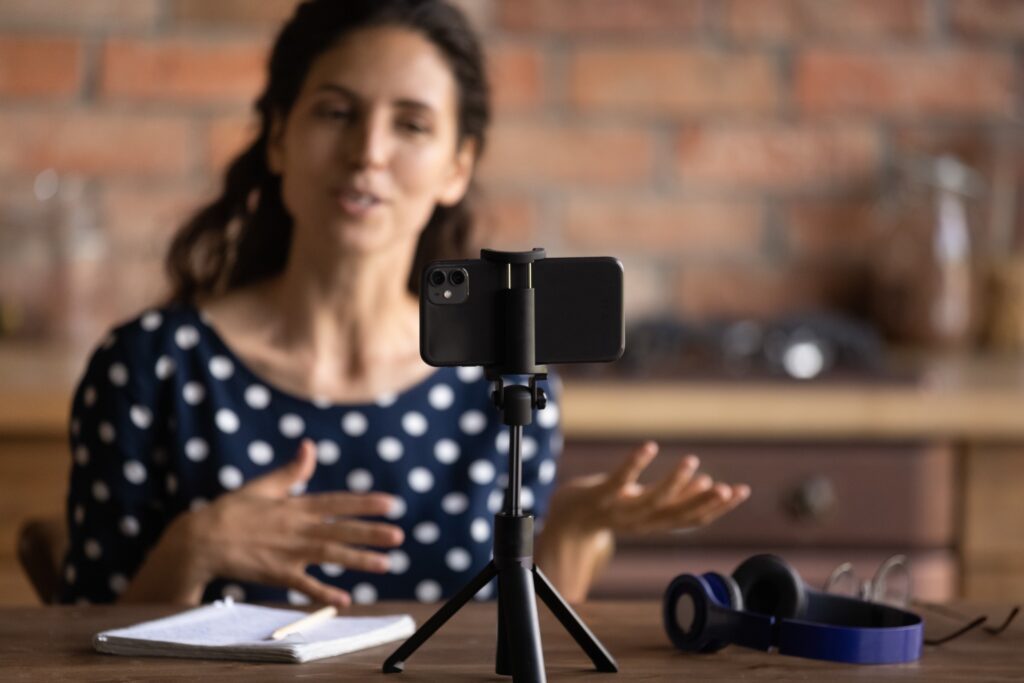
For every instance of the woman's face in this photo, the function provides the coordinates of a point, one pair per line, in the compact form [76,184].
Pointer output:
[371,144]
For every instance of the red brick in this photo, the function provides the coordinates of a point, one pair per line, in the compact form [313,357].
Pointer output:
[506,221]
[542,154]
[673,81]
[831,229]
[777,156]
[958,82]
[226,138]
[39,66]
[758,290]
[601,16]
[516,75]
[231,13]
[140,220]
[802,19]
[81,15]
[664,225]
[93,142]
[182,69]
[988,18]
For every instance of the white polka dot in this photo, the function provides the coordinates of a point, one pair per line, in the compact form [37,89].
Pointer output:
[129,526]
[482,472]
[420,479]
[446,451]
[386,400]
[164,367]
[89,396]
[546,472]
[151,321]
[100,491]
[397,510]
[110,340]
[76,426]
[261,453]
[528,448]
[327,452]
[441,397]
[221,367]
[548,418]
[399,562]
[472,422]
[501,442]
[118,583]
[458,559]
[389,449]
[426,532]
[230,477]
[234,591]
[227,421]
[196,449]
[79,514]
[332,569]
[298,488]
[470,374]
[354,423]
[135,472]
[480,530]
[526,498]
[321,402]
[107,432]
[257,396]
[141,416]
[82,456]
[193,393]
[485,592]
[70,573]
[291,425]
[172,484]
[198,503]
[297,598]
[495,500]
[364,594]
[186,337]
[118,374]
[414,423]
[455,503]
[93,549]
[428,591]
[359,481]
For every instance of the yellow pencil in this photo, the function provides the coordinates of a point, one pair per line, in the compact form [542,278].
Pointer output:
[311,619]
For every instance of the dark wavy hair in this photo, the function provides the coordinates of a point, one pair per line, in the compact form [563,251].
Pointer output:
[244,236]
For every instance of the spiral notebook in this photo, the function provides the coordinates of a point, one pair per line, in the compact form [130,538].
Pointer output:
[229,630]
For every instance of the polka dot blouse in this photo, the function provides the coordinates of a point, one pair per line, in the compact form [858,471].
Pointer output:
[167,418]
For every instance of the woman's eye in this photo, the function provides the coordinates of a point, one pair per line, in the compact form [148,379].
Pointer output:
[333,113]
[414,126]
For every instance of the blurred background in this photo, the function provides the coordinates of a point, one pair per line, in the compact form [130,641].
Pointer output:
[818,204]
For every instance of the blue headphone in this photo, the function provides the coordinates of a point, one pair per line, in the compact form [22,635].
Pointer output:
[765,604]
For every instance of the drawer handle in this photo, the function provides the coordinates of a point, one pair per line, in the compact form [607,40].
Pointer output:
[812,500]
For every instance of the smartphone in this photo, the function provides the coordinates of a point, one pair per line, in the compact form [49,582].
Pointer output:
[577,301]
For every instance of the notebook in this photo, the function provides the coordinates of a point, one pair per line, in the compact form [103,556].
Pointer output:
[229,630]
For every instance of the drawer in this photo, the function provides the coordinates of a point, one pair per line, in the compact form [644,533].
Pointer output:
[896,496]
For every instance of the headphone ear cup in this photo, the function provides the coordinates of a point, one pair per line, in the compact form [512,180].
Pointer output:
[770,586]
[691,611]
[726,590]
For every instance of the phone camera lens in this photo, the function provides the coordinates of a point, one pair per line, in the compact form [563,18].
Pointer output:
[437,278]
[456,277]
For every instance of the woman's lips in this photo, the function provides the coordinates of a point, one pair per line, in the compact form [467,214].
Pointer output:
[356,203]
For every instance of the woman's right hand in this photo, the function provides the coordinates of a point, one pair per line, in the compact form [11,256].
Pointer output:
[264,534]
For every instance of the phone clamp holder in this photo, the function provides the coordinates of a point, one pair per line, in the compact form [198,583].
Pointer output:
[520,581]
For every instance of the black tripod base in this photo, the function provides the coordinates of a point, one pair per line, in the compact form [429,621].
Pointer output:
[519,652]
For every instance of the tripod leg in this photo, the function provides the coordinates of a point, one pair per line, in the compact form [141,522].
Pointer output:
[519,604]
[502,664]
[396,662]
[572,623]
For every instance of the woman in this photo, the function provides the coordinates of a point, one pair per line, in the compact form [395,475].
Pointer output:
[273,432]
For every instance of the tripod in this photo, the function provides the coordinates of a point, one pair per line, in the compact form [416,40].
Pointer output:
[519,651]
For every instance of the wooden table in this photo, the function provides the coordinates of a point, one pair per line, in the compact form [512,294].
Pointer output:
[54,643]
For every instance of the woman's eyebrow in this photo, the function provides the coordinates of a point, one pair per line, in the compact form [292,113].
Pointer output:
[404,102]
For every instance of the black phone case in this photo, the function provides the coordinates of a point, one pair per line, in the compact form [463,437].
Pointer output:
[578,313]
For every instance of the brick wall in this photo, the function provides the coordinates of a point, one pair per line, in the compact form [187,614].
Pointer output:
[730,151]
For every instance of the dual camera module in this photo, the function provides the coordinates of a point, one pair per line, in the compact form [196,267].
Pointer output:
[448,285]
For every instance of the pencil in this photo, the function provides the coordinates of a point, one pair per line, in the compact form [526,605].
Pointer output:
[311,619]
